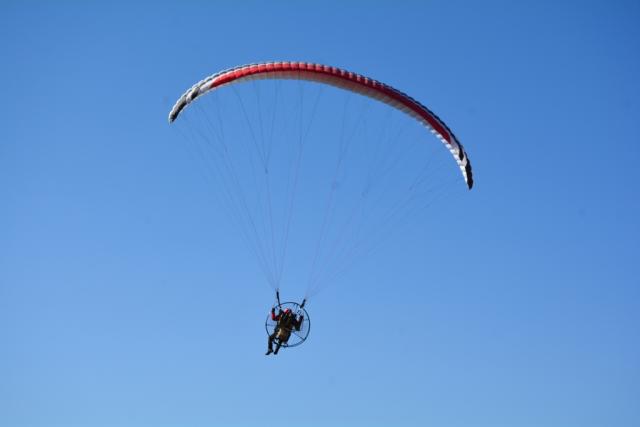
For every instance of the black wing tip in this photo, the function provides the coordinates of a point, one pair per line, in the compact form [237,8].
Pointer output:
[469,173]
[173,115]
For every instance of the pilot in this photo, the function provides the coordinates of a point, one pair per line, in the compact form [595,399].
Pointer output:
[287,322]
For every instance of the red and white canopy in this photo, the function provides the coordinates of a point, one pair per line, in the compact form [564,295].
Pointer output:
[338,78]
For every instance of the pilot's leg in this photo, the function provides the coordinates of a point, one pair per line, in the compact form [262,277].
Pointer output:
[270,344]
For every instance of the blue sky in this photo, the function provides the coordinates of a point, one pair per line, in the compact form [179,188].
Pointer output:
[126,298]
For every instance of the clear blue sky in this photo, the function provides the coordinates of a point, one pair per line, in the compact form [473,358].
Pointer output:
[127,300]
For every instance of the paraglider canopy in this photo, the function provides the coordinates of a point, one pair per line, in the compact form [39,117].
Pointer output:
[337,77]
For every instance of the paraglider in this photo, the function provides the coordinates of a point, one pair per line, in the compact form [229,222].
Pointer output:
[259,188]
